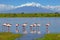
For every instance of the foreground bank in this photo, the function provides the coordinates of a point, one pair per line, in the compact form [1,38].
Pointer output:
[9,36]
[50,37]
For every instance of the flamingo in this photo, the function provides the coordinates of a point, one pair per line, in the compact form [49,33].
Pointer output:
[24,30]
[4,26]
[34,25]
[17,28]
[47,25]
[38,25]
[31,28]
[8,25]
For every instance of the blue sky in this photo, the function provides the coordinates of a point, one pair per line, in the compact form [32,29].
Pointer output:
[19,2]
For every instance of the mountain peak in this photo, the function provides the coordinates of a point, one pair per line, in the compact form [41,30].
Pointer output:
[30,4]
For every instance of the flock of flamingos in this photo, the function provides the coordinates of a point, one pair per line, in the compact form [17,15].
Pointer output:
[24,29]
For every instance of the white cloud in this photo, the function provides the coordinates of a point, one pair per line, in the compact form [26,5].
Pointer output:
[6,7]
[54,8]
[51,7]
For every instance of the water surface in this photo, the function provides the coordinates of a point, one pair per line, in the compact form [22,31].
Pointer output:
[53,28]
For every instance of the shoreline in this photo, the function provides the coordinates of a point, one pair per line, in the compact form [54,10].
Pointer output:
[37,15]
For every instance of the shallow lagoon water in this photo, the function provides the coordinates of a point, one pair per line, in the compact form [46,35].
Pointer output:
[53,28]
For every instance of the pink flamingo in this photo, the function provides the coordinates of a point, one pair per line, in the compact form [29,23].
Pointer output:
[47,25]
[8,25]
[31,28]
[24,30]
[38,25]
[34,25]
[4,26]
[17,28]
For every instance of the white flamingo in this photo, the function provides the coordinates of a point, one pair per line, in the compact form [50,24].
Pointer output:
[4,26]
[31,31]
[24,30]
[38,25]
[47,25]
[17,28]
[8,25]
[34,25]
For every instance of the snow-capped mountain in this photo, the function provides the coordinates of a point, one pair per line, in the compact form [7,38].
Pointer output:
[28,8]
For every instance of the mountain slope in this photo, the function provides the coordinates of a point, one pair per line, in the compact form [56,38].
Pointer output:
[29,9]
